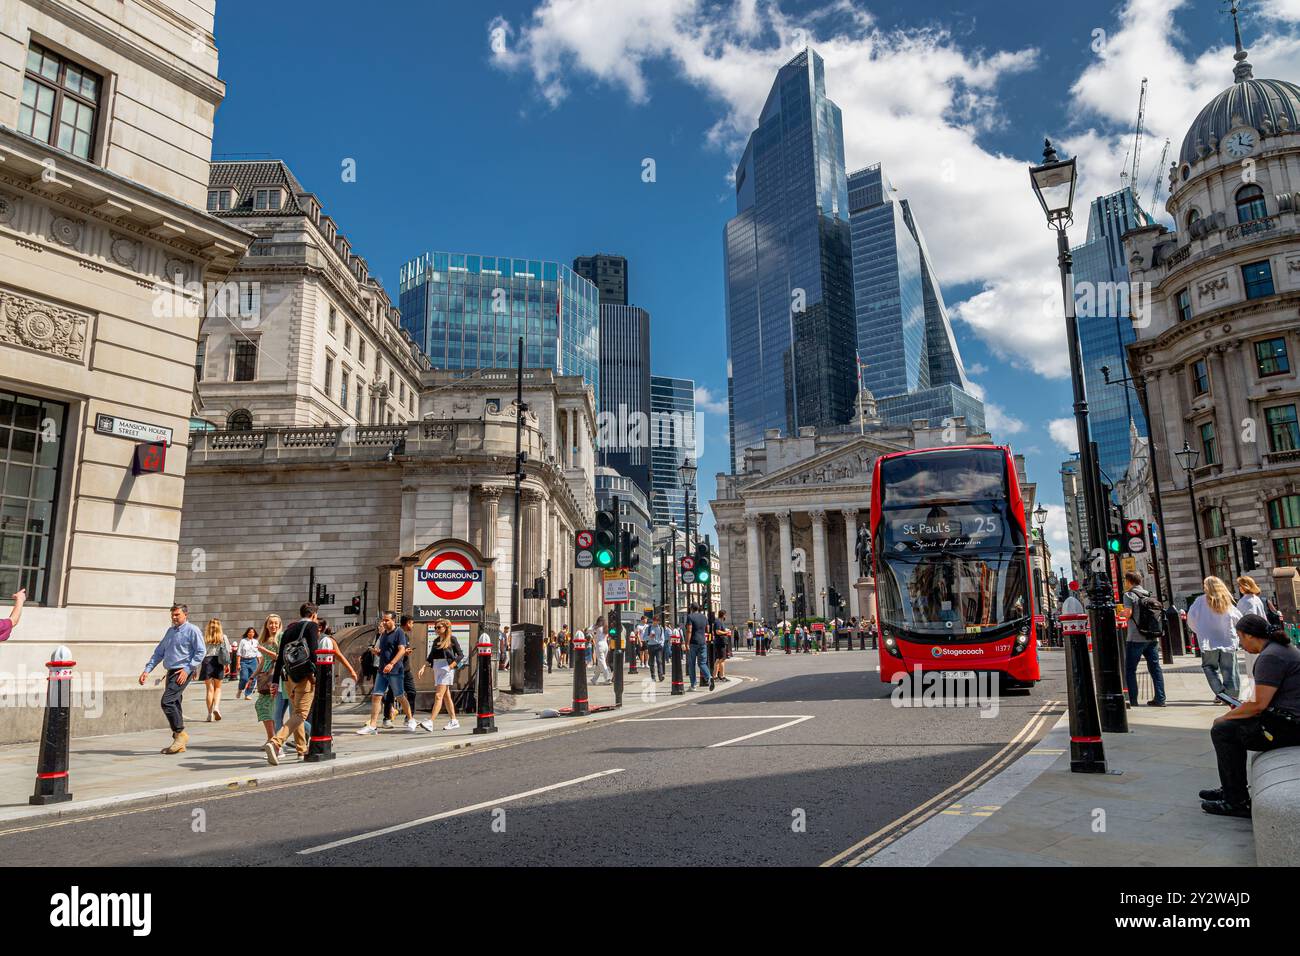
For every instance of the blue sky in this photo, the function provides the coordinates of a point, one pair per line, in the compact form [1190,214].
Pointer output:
[520,128]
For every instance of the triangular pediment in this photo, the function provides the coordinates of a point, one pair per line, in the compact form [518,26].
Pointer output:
[851,463]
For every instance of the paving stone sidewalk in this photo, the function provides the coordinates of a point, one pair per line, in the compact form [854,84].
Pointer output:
[1146,814]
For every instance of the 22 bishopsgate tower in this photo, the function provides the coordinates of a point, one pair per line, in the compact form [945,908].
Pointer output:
[789,288]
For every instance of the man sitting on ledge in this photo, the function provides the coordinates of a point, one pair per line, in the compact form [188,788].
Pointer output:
[1269,721]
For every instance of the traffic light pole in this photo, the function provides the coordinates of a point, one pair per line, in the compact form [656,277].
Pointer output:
[515,561]
[1114,717]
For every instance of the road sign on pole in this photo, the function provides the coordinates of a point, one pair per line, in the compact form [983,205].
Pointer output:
[616,587]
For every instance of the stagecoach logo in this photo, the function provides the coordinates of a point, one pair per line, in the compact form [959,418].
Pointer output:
[955,651]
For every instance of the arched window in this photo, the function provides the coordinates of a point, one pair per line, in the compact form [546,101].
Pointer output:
[1193,214]
[1250,203]
[240,420]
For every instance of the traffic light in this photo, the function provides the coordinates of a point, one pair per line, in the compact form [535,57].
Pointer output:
[630,558]
[606,538]
[702,563]
[1248,559]
[614,627]
[322,595]
[354,608]
[563,598]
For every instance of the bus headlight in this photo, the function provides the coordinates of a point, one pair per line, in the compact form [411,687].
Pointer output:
[1022,641]
[891,646]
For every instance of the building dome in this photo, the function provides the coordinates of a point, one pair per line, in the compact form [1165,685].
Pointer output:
[1270,106]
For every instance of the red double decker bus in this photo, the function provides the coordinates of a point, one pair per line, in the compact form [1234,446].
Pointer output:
[950,549]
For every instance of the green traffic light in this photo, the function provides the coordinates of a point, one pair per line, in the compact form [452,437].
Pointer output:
[604,558]
[1113,544]
[702,575]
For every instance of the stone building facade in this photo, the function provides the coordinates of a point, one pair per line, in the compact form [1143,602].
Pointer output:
[302,334]
[106,120]
[1217,351]
[812,492]
[267,506]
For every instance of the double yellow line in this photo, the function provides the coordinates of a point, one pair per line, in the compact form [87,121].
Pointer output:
[869,847]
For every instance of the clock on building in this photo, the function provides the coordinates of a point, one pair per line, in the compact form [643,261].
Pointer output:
[1240,142]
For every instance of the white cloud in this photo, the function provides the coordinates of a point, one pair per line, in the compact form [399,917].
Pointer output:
[977,368]
[1000,422]
[706,402]
[1064,433]
[917,101]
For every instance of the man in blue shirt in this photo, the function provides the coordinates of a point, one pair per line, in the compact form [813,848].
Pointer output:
[181,653]
[393,650]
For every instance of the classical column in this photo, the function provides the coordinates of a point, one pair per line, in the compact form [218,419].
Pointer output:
[568,445]
[534,562]
[1224,427]
[821,568]
[851,535]
[489,497]
[783,560]
[753,565]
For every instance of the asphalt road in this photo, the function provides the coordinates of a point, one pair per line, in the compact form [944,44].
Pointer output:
[826,760]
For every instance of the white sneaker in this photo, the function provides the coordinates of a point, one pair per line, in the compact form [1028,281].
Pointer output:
[367,730]
[388,724]
[427,725]
[452,726]
[411,725]
[272,753]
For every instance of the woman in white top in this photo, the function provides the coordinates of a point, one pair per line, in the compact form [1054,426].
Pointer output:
[1212,617]
[600,652]
[1249,603]
[248,659]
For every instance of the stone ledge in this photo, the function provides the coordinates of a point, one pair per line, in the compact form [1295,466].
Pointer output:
[1275,801]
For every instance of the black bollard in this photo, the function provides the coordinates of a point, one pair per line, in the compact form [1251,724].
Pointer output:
[580,706]
[678,688]
[1087,753]
[487,718]
[52,763]
[321,745]
[550,656]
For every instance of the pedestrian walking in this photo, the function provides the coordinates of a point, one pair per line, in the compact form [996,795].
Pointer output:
[1250,602]
[7,624]
[602,652]
[697,633]
[180,652]
[216,660]
[248,660]
[503,649]
[721,646]
[656,637]
[268,649]
[408,673]
[444,656]
[1213,617]
[295,666]
[394,647]
[1146,625]
[1271,720]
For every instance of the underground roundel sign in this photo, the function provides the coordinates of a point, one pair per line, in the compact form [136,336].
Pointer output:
[449,584]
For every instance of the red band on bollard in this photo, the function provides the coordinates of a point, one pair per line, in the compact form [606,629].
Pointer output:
[1085,740]
[487,715]
[321,740]
[580,700]
[51,776]
[61,664]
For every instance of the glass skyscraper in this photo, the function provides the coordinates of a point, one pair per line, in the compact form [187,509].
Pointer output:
[789,288]
[468,311]
[625,391]
[904,338]
[672,411]
[1105,327]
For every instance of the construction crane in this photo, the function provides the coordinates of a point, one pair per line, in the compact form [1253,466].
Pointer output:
[1127,177]
[1160,174]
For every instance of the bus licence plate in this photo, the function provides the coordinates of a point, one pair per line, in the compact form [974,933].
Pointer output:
[958,675]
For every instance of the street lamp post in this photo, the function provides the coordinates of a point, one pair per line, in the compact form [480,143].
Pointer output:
[1053,183]
[687,471]
[1188,458]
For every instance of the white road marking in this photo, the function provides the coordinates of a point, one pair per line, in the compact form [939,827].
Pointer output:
[790,721]
[456,813]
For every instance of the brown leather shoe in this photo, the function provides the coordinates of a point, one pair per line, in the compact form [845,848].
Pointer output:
[178,743]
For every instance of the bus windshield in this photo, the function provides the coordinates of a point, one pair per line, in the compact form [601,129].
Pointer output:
[950,557]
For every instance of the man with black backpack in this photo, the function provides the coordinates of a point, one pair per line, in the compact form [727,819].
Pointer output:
[1146,625]
[296,663]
